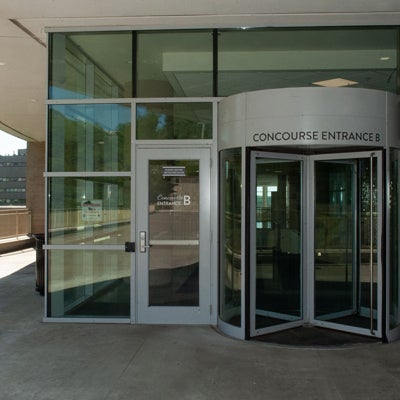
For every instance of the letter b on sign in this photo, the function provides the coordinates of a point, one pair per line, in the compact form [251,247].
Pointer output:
[186,200]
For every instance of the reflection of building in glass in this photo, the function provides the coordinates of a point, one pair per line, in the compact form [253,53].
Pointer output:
[216,152]
[13,179]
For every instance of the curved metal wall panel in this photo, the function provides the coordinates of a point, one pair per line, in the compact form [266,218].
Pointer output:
[309,117]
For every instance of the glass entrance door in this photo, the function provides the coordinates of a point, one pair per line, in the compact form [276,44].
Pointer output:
[173,236]
[347,212]
[315,242]
[276,242]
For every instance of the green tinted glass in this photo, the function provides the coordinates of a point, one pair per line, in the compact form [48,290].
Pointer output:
[174,64]
[89,210]
[394,278]
[174,121]
[89,137]
[90,65]
[230,236]
[267,59]
[88,283]
[174,232]
[278,237]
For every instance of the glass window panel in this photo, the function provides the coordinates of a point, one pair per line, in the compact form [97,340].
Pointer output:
[157,121]
[89,137]
[90,65]
[89,210]
[334,238]
[174,232]
[343,285]
[278,242]
[174,64]
[174,276]
[368,193]
[88,283]
[394,274]
[230,236]
[278,58]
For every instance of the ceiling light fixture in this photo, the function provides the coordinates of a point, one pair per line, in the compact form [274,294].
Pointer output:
[336,82]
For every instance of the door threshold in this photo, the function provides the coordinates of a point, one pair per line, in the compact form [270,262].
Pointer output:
[310,336]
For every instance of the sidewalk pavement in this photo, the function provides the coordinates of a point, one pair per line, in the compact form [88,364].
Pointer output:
[13,262]
[55,361]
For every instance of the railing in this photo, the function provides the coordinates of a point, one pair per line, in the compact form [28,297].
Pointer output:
[14,222]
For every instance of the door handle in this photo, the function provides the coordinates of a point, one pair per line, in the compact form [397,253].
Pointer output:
[142,242]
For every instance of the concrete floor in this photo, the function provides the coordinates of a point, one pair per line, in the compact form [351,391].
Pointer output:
[40,361]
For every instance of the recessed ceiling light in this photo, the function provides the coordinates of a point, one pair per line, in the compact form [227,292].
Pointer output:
[336,82]
[385,58]
[2,63]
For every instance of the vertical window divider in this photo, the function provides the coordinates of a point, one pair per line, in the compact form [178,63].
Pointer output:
[215,62]
[134,64]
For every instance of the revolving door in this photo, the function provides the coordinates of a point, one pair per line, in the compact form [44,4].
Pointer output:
[315,231]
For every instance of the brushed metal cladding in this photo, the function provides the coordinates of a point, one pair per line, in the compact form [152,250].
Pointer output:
[309,117]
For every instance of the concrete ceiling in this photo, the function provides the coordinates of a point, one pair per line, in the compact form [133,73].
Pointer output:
[23,26]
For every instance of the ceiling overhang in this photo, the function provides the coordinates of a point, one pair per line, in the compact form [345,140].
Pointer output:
[24,26]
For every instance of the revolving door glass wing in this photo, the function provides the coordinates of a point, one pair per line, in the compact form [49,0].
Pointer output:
[276,240]
[315,242]
[346,247]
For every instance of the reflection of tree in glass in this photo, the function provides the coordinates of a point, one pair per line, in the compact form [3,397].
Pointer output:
[174,121]
[87,145]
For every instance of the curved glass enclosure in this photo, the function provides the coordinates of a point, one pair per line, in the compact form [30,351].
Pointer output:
[314,245]
[230,228]
[316,242]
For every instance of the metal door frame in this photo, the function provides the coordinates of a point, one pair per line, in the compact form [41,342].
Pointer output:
[252,243]
[165,314]
[307,242]
[311,213]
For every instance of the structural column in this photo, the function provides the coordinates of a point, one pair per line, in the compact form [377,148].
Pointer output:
[35,187]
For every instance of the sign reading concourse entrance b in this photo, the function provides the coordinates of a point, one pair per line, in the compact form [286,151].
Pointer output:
[316,116]
[321,117]
[315,136]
